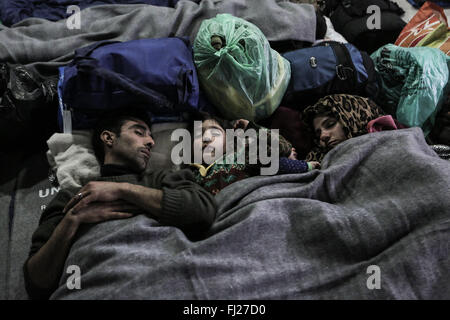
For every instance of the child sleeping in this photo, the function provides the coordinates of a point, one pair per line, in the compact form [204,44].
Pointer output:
[220,167]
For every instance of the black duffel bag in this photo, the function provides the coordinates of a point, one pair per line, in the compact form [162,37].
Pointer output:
[350,18]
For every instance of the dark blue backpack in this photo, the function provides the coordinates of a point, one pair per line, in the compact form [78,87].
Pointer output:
[329,68]
[156,74]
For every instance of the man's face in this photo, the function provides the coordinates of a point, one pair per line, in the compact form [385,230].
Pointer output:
[212,140]
[132,147]
[329,131]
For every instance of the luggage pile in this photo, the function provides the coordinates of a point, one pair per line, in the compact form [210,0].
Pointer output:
[231,70]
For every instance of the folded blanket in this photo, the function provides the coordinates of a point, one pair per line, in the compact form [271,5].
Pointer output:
[379,202]
[45,45]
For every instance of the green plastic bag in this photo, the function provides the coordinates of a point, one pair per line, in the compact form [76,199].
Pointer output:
[414,83]
[239,72]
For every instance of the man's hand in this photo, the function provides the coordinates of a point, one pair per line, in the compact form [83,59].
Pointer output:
[102,211]
[95,191]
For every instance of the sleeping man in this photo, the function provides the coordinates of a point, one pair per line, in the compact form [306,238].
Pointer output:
[122,142]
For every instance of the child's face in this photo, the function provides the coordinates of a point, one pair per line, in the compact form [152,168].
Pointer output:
[212,140]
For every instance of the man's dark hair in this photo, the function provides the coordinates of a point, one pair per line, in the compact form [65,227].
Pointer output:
[113,121]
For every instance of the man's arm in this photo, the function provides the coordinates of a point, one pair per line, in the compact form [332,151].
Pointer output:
[149,199]
[175,199]
[185,204]
[44,268]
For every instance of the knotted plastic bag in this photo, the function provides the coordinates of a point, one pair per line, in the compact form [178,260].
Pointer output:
[241,75]
[414,83]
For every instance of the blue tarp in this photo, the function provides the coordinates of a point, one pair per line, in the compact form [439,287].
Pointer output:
[14,11]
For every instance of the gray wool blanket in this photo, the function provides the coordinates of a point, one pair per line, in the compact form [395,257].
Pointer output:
[45,45]
[373,223]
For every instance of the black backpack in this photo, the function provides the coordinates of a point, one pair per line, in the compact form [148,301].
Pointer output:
[350,17]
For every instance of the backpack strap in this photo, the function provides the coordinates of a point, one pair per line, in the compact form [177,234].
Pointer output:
[345,70]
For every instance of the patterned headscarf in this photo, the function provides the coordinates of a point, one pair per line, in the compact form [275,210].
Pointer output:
[353,112]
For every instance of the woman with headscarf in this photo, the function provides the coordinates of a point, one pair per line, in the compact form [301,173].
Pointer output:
[336,118]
